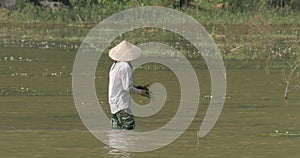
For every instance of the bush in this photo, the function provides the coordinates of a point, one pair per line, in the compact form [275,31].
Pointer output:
[244,5]
[254,5]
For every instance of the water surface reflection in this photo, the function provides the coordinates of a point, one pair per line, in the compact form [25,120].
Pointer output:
[119,142]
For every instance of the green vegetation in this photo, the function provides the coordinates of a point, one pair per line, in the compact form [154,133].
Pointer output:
[248,34]
[262,32]
[243,30]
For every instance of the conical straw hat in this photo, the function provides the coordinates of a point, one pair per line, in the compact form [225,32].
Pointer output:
[125,51]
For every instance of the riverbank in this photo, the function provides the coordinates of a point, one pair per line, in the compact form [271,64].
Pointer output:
[270,34]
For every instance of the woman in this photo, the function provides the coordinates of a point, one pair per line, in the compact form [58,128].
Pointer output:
[121,85]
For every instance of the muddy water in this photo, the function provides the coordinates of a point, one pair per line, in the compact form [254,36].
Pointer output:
[39,119]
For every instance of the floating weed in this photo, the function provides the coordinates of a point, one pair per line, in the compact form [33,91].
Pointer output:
[17,91]
[51,43]
[22,74]
[43,74]
[15,59]
[55,74]
[277,133]
[26,91]
[210,97]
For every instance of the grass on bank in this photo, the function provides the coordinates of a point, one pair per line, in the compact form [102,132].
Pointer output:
[263,34]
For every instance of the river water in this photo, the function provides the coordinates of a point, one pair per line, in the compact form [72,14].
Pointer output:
[39,118]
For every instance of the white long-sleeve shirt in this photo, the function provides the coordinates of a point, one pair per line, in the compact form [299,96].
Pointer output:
[120,87]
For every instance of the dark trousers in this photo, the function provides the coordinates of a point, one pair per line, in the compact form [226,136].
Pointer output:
[122,120]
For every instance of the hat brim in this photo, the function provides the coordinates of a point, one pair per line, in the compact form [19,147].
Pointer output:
[125,51]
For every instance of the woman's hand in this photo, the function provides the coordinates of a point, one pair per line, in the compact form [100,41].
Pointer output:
[145,93]
[145,90]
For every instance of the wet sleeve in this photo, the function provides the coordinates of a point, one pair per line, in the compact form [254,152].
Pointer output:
[126,77]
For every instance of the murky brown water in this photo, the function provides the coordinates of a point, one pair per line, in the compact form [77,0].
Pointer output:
[38,117]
